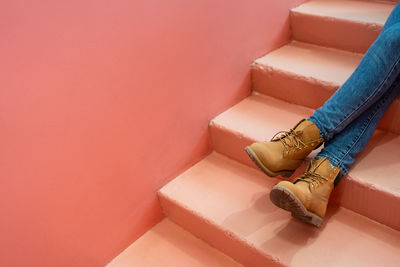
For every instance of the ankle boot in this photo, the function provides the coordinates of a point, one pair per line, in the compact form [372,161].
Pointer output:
[307,197]
[286,150]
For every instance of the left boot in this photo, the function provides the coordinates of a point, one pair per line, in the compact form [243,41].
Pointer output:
[307,196]
[286,150]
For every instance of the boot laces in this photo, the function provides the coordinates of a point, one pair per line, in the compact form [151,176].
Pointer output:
[311,177]
[289,139]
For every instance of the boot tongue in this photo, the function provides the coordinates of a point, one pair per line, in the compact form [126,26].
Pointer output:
[321,167]
[310,132]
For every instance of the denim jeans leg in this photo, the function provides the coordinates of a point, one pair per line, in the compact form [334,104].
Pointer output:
[341,151]
[369,82]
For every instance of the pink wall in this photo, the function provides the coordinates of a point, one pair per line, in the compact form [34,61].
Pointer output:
[102,103]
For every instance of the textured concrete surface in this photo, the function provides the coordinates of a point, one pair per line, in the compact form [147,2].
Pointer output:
[227,204]
[168,245]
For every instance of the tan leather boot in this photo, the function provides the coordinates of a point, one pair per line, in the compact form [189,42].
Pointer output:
[286,150]
[307,197]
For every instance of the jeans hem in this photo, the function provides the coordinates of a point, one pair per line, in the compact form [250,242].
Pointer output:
[334,161]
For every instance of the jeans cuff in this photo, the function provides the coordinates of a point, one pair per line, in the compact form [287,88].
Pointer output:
[334,162]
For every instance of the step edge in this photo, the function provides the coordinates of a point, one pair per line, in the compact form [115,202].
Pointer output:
[333,19]
[298,11]
[312,45]
[310,79]
[373,186]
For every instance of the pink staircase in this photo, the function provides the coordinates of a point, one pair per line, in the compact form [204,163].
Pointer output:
[223,199]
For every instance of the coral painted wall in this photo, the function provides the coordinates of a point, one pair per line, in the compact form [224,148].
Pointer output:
[102,103]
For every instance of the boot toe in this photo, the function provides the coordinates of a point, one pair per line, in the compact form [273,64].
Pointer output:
[266,155]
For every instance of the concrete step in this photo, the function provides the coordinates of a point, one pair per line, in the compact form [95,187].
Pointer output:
[348,25]
[227,204]
[308,75]
[372,187]
[168,245]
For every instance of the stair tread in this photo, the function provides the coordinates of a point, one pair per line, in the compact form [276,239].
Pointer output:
[234,199]
[311,61]
[358,11]
[259,117]
[167,244]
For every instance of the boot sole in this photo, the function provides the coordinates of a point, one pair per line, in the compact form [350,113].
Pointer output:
[285,199]
[253,156]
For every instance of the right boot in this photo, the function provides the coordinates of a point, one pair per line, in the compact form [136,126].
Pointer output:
[308,195]
[286,150]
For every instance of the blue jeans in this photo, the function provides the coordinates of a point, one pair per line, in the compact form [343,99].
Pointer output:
[348,119]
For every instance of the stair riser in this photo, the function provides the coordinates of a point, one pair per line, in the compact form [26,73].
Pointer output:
[292,88]
[309,92]
[332,32]
[214,235]
[368,201]
[352,194]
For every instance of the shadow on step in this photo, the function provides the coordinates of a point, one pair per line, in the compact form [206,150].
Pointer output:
[273,229]
[260,214]
[293,235]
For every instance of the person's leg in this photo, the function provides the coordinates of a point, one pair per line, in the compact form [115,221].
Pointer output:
[368,83]
[350,117]
[341,151]
[307,196]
